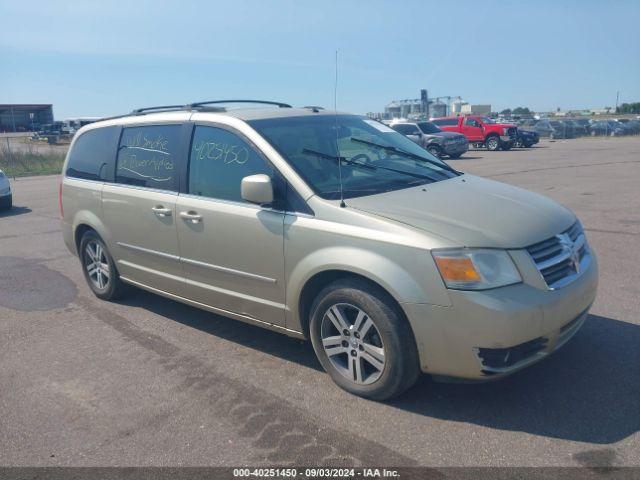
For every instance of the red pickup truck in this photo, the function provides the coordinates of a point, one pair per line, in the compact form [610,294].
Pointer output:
[481,131]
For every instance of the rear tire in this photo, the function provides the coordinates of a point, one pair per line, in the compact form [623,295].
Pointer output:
[363,341]
[492,143]
[99,269]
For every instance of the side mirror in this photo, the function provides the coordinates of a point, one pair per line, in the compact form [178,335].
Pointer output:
[257,189]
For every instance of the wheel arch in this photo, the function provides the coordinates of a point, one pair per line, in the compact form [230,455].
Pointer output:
[321,279]
[85,221]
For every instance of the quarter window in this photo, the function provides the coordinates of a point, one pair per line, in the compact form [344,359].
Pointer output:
[218,162]
[93,154]
[148,156]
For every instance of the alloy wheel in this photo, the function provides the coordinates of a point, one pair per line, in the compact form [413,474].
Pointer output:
[353,343]
[97,265]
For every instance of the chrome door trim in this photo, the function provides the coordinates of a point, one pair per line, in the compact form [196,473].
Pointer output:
[197,263]
[149,251]
[232,271]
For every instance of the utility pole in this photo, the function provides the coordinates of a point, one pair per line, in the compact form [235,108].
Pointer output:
[617,97]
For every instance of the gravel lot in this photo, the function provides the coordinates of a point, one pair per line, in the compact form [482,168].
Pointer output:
[152,382]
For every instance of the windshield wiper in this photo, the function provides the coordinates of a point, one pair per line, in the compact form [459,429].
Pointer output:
[365,166]
[400,151]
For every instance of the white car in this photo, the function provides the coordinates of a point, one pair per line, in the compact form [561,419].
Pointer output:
[6,198]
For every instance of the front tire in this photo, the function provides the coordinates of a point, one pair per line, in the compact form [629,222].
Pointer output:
[98,267]
[455,156]
[492,143]
[6,203]
[434,150]
[363,341]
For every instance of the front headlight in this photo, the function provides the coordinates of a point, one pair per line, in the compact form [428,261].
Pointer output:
[476,268]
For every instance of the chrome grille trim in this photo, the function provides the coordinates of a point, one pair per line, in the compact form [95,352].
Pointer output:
[562,258]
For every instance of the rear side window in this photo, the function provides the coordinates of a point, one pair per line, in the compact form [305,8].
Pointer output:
[445,121]
[148,156]
[218,162]
[93,154]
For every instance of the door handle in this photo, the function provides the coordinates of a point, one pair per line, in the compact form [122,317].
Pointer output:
[161,211]
[191,216]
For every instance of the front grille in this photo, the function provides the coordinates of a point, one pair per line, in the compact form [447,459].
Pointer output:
[561,258]
[512,132]
[499,358]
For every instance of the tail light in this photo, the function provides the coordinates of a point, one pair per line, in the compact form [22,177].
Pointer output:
[60,200]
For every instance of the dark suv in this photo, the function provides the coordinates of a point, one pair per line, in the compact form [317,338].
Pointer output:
[434,140]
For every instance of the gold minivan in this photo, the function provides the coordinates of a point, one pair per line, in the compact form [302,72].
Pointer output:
[330,227]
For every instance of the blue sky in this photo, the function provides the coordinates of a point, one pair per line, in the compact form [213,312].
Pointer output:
[108,57]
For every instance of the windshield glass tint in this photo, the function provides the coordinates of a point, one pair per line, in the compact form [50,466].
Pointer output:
[428,127]
[309,144]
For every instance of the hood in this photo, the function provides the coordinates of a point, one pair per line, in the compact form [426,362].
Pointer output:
[504,125]
[472,212]
[444,135]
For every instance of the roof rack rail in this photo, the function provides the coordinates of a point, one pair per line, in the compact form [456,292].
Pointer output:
[139,111]
[202,106]
[212,102]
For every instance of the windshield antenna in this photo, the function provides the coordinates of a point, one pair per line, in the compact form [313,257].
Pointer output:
[335,109]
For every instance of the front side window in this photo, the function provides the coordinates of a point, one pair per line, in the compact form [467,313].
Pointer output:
[406,129]
[93,153]
[373,157]
[470,122]
[428,127]
[148,156]
[218,162]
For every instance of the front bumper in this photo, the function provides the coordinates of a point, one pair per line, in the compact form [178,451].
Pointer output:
[507,139]
[466,339]
[6,200]
[456,148]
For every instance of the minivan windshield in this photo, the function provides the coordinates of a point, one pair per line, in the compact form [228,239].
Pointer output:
[373,157]
[428,127]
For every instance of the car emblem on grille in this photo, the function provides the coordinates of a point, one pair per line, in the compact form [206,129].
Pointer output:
[569,246]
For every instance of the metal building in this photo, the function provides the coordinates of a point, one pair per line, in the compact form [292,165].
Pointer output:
[24,117]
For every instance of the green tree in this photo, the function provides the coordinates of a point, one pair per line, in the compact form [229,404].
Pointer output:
[521,111]
[506,111]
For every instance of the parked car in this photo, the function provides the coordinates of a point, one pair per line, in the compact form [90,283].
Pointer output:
[608,128]
[481,131]
[585,124]
[6,196]
[552,129]
[634,126]
[527,138]
[578,129]
[331,227]
[432,139]
[629,126]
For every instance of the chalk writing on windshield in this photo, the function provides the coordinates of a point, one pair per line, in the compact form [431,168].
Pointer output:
[227,153]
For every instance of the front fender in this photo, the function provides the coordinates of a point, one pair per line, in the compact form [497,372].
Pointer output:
[393,277]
